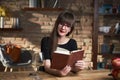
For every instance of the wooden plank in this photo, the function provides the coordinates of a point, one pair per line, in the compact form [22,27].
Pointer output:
[84,75]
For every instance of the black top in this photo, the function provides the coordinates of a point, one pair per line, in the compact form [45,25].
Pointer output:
[45,46]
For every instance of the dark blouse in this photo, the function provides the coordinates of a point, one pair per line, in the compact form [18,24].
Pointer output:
[45,46]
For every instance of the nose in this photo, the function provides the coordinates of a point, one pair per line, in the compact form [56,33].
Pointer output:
[63,26]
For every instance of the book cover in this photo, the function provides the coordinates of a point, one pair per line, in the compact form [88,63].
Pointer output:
[61,58]
[116,49]
[105,48]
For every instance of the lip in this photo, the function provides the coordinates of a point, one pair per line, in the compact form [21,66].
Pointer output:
[62,31]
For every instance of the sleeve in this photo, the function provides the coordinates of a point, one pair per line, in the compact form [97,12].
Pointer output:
[45,48]
[74,45]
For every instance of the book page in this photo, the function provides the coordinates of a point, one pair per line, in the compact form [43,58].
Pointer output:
[76,50]
[62,51]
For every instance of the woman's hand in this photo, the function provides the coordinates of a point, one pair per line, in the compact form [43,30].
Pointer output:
[65,70]
[79,65]
[62,72]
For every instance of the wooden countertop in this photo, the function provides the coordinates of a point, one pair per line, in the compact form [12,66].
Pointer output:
[30,75]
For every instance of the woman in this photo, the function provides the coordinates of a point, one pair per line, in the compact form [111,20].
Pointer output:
[63,27]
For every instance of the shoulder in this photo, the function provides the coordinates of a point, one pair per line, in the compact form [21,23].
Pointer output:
[72,40]
[73,44]
[46,38]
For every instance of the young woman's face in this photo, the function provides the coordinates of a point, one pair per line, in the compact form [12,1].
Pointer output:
[63,29]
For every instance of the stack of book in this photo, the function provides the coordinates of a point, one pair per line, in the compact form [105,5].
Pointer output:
[104,48]
[116,49]
[107,48]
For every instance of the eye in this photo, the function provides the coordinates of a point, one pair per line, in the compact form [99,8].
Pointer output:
[65,24]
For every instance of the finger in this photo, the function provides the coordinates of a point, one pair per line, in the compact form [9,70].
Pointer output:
[81,64]
[80,61]
[67,69]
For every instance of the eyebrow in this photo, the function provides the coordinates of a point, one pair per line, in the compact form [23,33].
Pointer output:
[64,23]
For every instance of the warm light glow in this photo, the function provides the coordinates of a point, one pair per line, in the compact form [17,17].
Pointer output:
[2,11]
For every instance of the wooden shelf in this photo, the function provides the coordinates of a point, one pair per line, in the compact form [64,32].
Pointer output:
[42,9]
[110,14]
[110,55]
[112,35]
[109,34]
[106,36]
[11,29]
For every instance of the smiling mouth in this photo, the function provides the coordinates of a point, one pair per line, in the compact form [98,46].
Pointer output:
[62,31]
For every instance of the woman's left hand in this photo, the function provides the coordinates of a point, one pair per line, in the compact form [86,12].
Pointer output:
[79,65]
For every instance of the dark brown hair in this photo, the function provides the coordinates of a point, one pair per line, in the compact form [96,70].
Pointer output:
[64,17]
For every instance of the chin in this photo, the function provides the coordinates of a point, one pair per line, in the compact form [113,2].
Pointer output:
[62,34]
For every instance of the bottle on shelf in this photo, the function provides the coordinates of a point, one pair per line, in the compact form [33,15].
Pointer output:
[115,9]
[32,3]
[1,22]
[16,23]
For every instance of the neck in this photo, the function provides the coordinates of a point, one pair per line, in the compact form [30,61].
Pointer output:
[63,40]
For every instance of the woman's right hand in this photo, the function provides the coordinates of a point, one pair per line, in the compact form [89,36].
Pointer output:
[65,70]
[62,72]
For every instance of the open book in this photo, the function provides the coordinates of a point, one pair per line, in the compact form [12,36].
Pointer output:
[62,57]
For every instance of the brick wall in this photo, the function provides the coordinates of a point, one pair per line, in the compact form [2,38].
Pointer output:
[37,24]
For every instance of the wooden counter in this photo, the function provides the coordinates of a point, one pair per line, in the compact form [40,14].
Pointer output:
[85,75]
